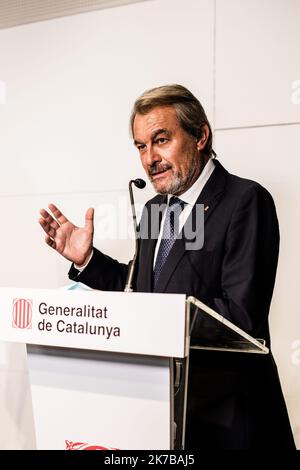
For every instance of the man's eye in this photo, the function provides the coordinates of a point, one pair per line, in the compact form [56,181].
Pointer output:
[140,146]
[161,140]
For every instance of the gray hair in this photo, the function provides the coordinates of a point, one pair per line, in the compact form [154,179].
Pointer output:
[189,111]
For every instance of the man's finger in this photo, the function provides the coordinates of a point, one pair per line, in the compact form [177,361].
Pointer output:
[49,219]
[44,224]
[50,242]
[57,214]
[89,219]
[47,228]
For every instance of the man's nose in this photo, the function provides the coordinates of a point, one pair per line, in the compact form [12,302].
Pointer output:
[152,156]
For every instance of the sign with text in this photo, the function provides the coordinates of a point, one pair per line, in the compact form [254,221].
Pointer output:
[137,323]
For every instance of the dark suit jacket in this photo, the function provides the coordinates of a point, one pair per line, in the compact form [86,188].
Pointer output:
[235,399]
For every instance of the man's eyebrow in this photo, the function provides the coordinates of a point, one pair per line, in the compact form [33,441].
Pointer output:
[154,135]
[160,131]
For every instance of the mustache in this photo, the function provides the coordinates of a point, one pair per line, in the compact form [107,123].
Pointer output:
[158,168]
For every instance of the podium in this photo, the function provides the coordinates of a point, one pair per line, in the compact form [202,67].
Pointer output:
[109,370]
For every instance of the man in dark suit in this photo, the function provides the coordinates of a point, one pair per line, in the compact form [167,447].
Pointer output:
[235,399]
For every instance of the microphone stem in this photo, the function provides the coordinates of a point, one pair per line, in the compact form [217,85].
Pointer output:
[128,286]
[133,215]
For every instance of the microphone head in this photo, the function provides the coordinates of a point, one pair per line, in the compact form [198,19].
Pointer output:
[139,183]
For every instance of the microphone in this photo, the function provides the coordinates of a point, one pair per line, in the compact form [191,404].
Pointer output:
[140,184]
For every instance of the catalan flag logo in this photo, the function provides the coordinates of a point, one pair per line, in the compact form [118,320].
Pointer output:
[22,313]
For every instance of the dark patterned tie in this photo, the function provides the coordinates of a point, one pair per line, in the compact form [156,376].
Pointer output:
[169,235]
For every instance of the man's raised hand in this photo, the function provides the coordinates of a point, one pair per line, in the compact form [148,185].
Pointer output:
[74,243]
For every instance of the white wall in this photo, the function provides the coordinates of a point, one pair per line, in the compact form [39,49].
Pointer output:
[70,85]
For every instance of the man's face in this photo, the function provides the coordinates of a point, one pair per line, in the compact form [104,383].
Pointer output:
[170,156]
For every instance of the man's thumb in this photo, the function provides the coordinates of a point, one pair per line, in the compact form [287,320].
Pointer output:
[89,219]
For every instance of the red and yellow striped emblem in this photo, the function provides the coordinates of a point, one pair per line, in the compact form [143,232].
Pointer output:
[22,313]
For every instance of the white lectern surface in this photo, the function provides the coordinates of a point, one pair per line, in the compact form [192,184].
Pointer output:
[99,364]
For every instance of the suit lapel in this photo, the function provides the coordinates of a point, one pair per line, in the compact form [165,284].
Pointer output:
[209,197]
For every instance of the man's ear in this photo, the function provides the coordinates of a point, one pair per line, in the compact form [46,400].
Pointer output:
[201,142]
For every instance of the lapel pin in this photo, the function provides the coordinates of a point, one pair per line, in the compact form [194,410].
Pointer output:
[206,208]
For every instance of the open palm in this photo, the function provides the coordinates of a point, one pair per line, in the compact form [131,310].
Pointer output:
[74,243]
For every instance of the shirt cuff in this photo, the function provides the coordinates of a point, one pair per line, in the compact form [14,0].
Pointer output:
[83,266]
